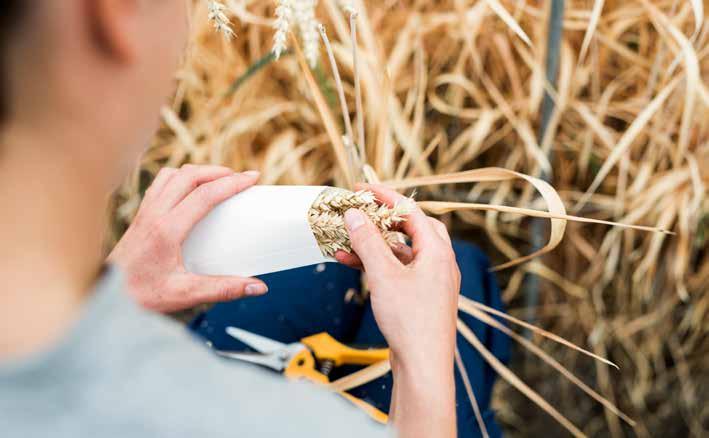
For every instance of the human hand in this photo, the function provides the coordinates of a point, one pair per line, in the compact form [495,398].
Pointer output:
[414,303]
[402,251]
[150,252]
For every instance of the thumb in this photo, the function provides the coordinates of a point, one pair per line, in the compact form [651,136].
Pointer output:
[368,243]
[216,289]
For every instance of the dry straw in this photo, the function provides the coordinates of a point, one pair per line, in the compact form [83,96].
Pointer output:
[455,85]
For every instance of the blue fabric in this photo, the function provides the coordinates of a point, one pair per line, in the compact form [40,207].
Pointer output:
[310,300]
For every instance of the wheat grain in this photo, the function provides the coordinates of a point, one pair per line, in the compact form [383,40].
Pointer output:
[305,17]
[340,200]
[326,217]
[284,16]
[219,19]
[300,13]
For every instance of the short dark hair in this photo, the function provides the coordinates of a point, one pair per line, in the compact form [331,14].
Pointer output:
[10,14]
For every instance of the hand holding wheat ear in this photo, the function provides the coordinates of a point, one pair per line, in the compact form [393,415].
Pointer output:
[326,217]
[415,307]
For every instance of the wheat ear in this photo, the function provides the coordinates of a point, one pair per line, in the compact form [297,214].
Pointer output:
[219,19]
[326,217]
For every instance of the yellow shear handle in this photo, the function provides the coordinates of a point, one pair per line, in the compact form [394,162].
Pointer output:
[325,347]
[302,366]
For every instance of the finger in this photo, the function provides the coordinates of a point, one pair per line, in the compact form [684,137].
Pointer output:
[216,289]
[204,198]
[159,184]
[348,259]
[403,252]
[187,179]
[441,230]
[151,205]
[417,224]
[368,243]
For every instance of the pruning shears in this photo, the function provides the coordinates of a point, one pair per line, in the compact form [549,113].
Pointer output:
[311,359]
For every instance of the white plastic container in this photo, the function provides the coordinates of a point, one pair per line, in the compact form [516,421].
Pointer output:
[260,230]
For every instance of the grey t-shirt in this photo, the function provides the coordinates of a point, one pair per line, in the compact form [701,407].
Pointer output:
[124,372]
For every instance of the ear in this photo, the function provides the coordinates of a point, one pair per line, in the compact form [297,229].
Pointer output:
[116,27]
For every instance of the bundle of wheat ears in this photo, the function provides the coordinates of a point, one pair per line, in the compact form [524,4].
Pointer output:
[326,217]
[453,86]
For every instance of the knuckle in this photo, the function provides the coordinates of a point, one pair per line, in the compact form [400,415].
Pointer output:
[207,193]
[203,192]
[239,179]
[223,294]
[191,173]
[228,291]
[165,171]
[439,226]
[437,223]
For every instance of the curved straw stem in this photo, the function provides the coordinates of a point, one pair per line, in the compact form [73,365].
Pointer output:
[471,394]
[515,381]
[487,319]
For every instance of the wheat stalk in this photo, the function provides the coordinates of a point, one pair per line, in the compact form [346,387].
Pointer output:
[326,217]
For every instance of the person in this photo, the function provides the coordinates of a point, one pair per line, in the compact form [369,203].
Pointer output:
[82,84]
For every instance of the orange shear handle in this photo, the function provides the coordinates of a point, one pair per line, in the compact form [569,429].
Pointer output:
[325,347]
[302,366]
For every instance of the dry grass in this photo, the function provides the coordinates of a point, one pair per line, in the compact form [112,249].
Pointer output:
[456,85]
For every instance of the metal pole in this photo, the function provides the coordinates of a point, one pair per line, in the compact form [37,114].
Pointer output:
[538,226]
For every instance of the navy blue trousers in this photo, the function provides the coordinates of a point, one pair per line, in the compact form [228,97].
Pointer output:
[310,300]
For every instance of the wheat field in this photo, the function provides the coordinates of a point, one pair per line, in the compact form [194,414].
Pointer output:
[621,132]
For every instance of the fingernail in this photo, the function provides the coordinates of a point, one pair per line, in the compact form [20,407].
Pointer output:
[354,219]
[251,173]
[256,289]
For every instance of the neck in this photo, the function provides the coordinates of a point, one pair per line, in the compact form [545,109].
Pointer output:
[51,229]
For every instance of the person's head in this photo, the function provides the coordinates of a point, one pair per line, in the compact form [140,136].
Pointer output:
[96,70]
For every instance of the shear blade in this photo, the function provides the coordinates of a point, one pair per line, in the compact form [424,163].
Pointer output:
[267,360]
[259,343]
